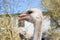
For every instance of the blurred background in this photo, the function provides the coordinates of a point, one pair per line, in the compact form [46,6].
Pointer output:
[13,8]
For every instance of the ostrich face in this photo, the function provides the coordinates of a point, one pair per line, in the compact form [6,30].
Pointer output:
[26,15]
[31,14]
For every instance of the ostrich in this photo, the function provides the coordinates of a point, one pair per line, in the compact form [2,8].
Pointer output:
[34,16]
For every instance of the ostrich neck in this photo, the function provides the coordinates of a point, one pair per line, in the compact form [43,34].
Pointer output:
[37,30]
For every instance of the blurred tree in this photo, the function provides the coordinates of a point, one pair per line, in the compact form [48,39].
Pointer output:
[53,9]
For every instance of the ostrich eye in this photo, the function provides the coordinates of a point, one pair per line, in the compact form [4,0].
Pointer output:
[29,12]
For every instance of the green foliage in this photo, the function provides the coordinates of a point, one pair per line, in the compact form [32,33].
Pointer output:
[53,9]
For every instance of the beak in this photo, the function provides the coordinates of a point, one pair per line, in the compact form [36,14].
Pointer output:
[23,17]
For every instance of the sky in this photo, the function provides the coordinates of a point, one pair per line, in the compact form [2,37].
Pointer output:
[19,6]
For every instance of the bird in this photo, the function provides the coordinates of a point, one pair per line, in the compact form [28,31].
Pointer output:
[35,16]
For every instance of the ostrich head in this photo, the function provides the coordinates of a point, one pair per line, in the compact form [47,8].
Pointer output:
[31,15]
[34,15]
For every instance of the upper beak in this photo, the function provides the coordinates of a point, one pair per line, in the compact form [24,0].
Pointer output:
[23,17]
